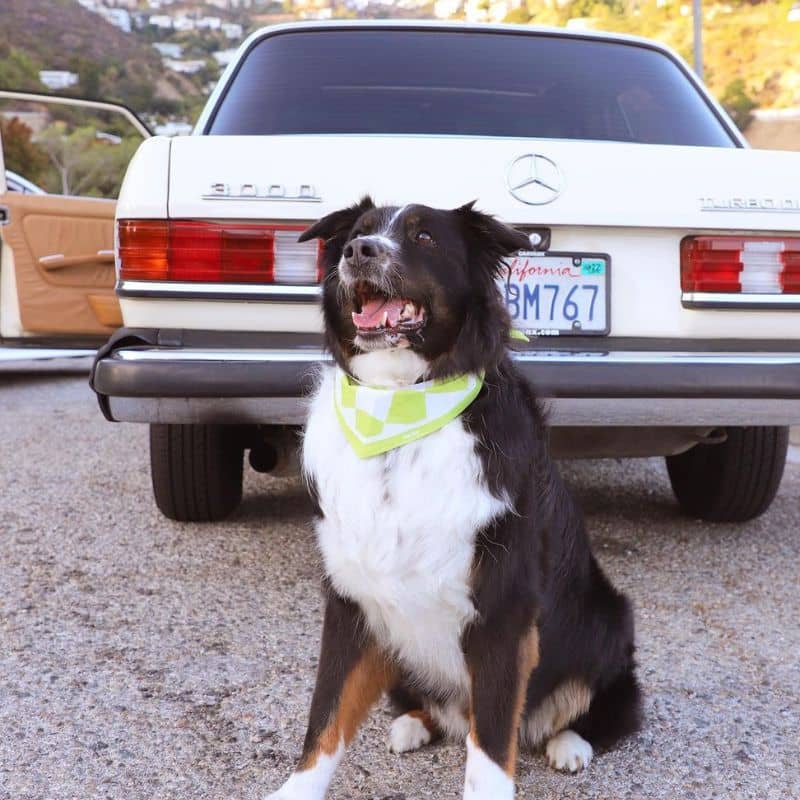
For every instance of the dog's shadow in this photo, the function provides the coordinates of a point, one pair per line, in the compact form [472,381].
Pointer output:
[274,499]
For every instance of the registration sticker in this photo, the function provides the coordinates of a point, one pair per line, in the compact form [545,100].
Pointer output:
[557,294]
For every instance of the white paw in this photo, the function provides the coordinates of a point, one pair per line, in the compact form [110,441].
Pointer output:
[407,733]
[569,752]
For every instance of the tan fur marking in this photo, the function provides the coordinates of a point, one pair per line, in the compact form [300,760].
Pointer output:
[528,661]
[362,688]
[564,704]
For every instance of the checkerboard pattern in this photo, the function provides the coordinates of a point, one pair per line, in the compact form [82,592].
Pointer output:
[376,420]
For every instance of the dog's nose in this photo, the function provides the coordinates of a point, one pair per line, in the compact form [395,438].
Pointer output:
[363,249]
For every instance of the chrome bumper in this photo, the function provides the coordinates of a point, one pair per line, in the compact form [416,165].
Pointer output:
[154,382]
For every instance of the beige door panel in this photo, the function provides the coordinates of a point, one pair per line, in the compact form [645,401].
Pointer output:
[64,264]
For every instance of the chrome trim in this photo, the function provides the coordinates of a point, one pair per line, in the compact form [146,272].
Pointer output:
[209,290]
[562,412]
[206,410]
[760,209]
[41,97]
[629,357]
[220,354]
[312,355]
[264,198]
[45,358]
[697,412]
[739,300]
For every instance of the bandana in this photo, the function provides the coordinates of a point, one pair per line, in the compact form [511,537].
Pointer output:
[378,420]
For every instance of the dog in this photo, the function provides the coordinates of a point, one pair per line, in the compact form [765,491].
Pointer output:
[459,578]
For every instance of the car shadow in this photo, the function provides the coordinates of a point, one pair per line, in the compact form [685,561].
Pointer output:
[274,498]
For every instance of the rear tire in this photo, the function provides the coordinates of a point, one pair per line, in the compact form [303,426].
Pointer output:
[734,481]
[196,470]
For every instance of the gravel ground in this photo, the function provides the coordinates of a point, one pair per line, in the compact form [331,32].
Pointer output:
[146,659]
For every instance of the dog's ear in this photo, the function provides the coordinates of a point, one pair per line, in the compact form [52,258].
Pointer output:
[337,224]
[491,235]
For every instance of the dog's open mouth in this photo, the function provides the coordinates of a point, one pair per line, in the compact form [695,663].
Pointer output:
[379,313]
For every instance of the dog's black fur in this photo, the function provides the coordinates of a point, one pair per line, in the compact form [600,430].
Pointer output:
[532,566]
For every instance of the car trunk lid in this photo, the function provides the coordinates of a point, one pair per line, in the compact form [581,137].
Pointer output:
[523,181]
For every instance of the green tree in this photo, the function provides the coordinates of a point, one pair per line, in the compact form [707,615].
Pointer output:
[518,16]
[20,153]
[85,164]
[18,70]
[738,103]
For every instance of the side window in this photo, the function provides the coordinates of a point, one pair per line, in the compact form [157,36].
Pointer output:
[65,148]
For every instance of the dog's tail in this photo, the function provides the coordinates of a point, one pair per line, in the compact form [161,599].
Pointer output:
[615,712]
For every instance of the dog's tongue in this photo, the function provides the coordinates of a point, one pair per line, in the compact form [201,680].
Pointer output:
[372,313]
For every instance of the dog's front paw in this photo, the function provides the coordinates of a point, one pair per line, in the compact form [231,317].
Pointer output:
[293,793]
[295,789]
[408,732]
[569,752]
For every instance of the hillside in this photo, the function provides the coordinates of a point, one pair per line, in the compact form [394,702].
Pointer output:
[751,48]
[60,34]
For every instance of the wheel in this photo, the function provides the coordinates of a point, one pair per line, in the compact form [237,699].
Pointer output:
[196,470]
[733,481]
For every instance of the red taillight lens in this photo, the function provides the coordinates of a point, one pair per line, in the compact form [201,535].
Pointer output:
[215,252]
[746,265]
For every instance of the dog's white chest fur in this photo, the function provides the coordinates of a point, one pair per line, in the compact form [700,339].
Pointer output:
[398,535]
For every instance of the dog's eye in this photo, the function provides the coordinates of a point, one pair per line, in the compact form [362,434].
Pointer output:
[423,237]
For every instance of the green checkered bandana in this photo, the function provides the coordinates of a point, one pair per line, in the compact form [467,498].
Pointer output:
[376,420]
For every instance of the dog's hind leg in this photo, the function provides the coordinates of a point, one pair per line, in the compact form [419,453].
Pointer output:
[353,672]
[615,712]
[608,715]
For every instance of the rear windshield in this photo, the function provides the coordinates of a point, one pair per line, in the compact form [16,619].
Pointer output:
[464,84]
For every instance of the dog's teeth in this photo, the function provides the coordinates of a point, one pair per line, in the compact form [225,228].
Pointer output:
[385,319]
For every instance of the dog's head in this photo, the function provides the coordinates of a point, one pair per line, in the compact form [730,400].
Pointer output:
[418,279]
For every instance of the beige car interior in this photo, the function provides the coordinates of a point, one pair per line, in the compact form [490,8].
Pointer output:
[64,263]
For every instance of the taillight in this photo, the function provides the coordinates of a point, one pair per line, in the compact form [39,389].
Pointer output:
[215,252]
[740,265]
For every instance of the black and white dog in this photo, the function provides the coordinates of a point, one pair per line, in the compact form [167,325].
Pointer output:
[459,577]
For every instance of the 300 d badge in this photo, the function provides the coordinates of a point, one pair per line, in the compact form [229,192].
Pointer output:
[276,192]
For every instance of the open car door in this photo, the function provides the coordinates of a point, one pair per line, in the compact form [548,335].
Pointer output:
[64,160]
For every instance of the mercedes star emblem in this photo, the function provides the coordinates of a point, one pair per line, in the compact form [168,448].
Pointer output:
[534,179]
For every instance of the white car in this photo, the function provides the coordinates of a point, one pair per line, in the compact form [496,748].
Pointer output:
[661,293]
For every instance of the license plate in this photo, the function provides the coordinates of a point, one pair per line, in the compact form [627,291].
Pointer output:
[557,294]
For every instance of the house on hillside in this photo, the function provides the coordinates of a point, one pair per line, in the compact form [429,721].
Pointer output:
[184,24]
[118,17]
[161,21]
[232,30]
[209,23]
[169,49]
[57,78]
[444,9]
[188,67]
[173,129]
[224,57]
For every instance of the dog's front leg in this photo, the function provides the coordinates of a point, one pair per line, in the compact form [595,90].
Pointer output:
[500,661]
[352,674]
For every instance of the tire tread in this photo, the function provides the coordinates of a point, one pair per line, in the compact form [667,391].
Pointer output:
[196,471]
[734,481]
